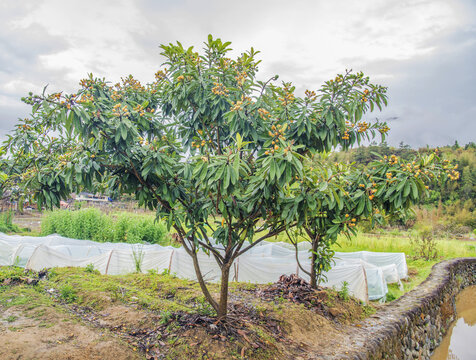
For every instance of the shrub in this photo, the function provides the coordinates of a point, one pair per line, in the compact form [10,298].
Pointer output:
[6,222]
[92,224]
[424,243]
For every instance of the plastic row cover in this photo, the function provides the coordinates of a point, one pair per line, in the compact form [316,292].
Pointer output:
[366,273]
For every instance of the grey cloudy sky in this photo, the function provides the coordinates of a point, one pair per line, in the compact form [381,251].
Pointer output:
[423,50]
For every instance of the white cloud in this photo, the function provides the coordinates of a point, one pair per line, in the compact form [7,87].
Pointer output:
[59,42]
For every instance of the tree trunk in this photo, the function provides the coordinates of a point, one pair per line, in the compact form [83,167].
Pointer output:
[203,286]
[223,304]
[315,243]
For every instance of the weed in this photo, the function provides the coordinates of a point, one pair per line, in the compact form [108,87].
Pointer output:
[89,268]
[204,308]
[45,324]
[368,310]
[343,293]
[165,317]
[331,298]
[17,261]
[390,296]
[68,293]
[52,273]
[117,293]
[261,309]
[138,256]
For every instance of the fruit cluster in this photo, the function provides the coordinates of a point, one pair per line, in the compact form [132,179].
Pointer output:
[352,222]
[288,96]
[220,89]
[143,141]
[236,106]
[160,75]
[392,160]
[139,109]
[131,83]
[85,98]
[263,113]
[277,132]
[241,78]
[362,126]
[364,95]
[118,111]
[310,95]
[384,129]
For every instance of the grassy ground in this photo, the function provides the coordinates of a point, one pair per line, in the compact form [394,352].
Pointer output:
[71,312]
[418,268]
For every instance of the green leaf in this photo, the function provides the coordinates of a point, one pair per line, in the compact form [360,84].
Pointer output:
[226,180]
[360,207]
[323,186]
[414,190]
[124,132]
[272,169]
[236,164]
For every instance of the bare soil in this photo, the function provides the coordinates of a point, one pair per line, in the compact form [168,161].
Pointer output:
[286,320]
[45,333]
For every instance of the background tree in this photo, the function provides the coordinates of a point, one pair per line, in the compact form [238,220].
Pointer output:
[340,197]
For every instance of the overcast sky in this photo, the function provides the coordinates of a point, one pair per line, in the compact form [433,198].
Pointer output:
[423,50]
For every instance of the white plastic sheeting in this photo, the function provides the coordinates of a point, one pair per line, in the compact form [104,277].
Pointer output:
[379,259]
[366,273]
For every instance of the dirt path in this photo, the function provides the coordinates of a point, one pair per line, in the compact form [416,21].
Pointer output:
[46,333]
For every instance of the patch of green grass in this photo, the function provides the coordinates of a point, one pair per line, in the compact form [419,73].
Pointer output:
[14,328]
[13,273]
[25,296]
[151,291]
[447,248]
[11,318]
[368,310]
[45,324]
[6,222]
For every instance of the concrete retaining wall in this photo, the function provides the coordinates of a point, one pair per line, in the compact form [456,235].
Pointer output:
[412,326]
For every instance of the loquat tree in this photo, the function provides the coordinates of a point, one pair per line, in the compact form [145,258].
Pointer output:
[389,186]
[222,156]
